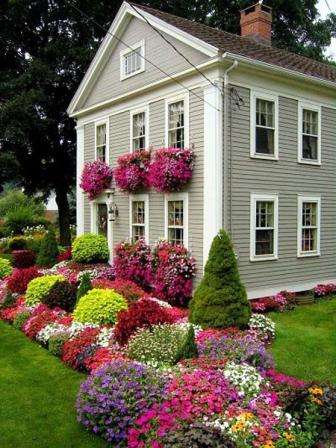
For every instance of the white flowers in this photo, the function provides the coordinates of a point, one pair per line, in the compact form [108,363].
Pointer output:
[263,325]
[105,336]
[244,377]
[50,330]
[76,327]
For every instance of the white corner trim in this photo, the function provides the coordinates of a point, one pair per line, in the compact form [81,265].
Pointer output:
[178,197]
[125,52]
[301,199]
[317,108]
[79,191]
[106,121]
[255,197]
[263,95]
[145,199]
[213,167]
[136,111]
[174,99]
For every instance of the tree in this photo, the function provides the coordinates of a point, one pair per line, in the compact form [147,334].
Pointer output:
[220,299]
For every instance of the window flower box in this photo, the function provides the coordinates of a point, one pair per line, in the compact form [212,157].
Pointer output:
[96,177]
[131,173]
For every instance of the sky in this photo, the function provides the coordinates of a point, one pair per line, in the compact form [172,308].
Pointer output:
[324,11]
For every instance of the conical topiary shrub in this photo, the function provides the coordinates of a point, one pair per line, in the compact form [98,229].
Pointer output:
[220,300]
[48,252]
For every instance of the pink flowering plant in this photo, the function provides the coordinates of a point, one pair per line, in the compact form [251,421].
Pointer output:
[96,177]
[171,169]
[131,173]
[324,290]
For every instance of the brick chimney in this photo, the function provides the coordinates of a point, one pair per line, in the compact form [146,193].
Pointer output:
[256,22]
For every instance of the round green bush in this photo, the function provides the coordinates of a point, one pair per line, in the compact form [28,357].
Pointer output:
[99,306]
[5,268]
[39,288]
[90,248]
[56,343]
[17,243]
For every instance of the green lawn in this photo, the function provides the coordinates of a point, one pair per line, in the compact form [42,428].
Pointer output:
[37,397]
[305,344]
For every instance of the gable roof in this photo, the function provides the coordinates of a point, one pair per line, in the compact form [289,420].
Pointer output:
[247,47]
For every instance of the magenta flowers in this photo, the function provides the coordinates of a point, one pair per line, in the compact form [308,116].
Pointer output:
[96,177]
[131,174]
[171,169]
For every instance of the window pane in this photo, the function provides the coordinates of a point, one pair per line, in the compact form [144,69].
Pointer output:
[265,113]
[309,214]
[309,240]
[175,236]
[264,141]
[264,242]
[309,147]
[176,124]
[138,232]
[139,131]
[101,142]
[138,212]
[132,61]
[310,122]
[102,219]
[175,213]
[264,214]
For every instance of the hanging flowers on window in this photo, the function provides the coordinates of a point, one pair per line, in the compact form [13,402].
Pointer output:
[171,169]
[131,173]
[96,177]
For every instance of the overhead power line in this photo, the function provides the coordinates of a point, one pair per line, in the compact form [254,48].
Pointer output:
[143,57]
[327,3]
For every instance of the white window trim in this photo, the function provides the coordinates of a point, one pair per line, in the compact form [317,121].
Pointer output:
[263,197]
[301,200]
[133,112]
[145,199]
[107,150]
[127,50]
[314,107]
[178,197]
[259,94]
[175,99]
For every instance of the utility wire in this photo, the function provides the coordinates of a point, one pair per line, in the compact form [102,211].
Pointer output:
[143,57]
[328,5]
[173,46]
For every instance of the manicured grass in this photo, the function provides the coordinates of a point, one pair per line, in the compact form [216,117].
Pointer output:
[37,397]
[305,344]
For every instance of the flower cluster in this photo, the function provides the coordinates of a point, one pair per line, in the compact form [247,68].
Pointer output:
[20,278]
[96,177]
[171,169]
[131,173]
[280,302]
[323,290]
[263,325]
[128,289]
[244,377]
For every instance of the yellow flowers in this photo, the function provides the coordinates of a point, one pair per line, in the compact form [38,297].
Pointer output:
[268,444]
[316,392]
[289,437]
[241,422]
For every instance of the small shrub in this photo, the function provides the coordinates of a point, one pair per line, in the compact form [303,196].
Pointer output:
[48,253]
[90,248]
[17,219]
[20,319]
[99,306]
[40,287]
[85,285]
[5,268]
[62,294]
[17,243]
[188,349]
[23,258]
[56,343]
[142,314]
[128,289]
[20,278]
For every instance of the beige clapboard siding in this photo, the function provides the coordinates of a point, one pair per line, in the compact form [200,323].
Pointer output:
[108,84]
[288,178]
[89,155]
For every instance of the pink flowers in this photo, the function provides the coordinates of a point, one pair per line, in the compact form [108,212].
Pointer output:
[324,290]
[171,169]
[96,177]
[131,174]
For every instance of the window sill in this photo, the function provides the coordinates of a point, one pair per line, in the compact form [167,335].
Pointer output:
[264,157]
[270,258]
[309,254]
[309,162]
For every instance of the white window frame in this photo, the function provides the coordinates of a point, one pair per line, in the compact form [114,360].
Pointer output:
[316,108]
[178,197]
[301,200]
[254,95]
[255,197]
[125,52]
[175,99]
[145,199]
[133,112]
[107,150]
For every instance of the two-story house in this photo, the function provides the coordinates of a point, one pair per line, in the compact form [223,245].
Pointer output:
[261,121]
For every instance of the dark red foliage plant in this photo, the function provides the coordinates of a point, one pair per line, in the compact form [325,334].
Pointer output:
[65,255]
[141,314]
[41,317]
[73,349]
[128,289]
[20,278]
[23,258]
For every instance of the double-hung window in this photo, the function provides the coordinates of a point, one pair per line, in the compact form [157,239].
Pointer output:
[139,218]
[132,60]
[139,131]
[176,124]
[101,138]
[309,134]
[308,226]
[176,219]
[264,227]
[264,126]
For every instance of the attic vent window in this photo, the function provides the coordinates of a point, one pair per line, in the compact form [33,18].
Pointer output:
[132,60]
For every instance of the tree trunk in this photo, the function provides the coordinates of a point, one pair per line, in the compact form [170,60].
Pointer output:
[63,216]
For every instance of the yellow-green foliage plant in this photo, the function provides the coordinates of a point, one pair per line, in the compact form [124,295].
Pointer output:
[99,306]
[5,268]
[39,287]
[90,248]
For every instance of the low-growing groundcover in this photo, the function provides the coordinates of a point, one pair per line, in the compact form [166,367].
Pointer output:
[37,397]
[305,343]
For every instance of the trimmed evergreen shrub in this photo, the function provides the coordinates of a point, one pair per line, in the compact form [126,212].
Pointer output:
[5,268]
[188,349]
[99,306]
[39,287]
[62,294]
[85,285]
[48,252]
[90,248]
[220,300]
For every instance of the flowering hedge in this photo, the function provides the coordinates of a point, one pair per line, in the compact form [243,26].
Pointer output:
[96,177]
[171,169]
[131,173]
[324,290]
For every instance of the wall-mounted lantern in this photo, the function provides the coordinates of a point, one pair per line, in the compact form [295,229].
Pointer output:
[112,208]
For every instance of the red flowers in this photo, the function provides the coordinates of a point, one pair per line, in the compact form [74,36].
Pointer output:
[20,278]
[131,174]
[74,348]
[128,289]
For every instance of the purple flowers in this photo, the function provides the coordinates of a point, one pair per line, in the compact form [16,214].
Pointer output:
[131,174]
[96,177]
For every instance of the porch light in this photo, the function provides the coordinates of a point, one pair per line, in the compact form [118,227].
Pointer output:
[112,208]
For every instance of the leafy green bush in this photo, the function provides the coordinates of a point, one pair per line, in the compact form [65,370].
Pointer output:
[5,268]
[17,243]
[62,294]
[90,248]
[11,200]
[8,301]
[48,250]
[85,285]
[56,343]
[220,300]
[17,220]
[20,319]
[188,349]
[39,287]
[99,306]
